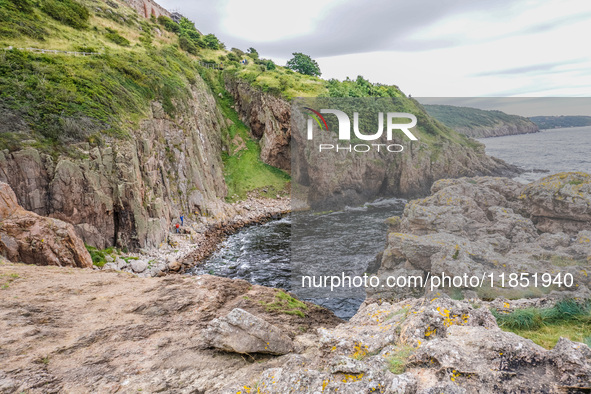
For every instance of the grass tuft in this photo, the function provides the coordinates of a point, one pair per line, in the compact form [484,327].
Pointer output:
[287,304]
[568,318]
[398,360]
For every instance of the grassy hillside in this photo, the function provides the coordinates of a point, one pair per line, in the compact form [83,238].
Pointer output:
[556,122]
[58,98]
[472,121]
[55,101]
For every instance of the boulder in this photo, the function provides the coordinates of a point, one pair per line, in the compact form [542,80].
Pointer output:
[560,202]
[32,239]
[242,332]
[138,265]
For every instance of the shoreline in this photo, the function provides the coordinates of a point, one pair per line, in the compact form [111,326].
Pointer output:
[199,240]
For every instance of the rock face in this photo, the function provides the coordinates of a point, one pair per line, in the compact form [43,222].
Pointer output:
[32,239]
[269,119]
[128,191]
[489,225]
[242,332]
[351,179]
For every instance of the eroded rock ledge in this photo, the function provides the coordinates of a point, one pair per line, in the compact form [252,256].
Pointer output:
[490,225]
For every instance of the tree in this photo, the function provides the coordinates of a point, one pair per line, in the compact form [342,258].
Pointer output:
[211,42]
[252,53]
[188,28]
[304,64]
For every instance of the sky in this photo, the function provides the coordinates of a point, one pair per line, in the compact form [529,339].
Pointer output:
[428,48]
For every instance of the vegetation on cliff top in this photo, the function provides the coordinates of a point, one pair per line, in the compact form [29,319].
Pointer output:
[474,120]
[556,122]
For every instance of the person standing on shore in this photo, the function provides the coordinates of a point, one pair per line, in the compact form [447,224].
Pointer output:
[182,220]
[177,228]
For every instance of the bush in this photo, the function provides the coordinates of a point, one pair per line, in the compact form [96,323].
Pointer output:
[118,39]
[188,28]
[168,24]
[68,12]
[211,42]
[18,18]
[25,6]
[233,57]
[238,52]
[252,53]
[187,44]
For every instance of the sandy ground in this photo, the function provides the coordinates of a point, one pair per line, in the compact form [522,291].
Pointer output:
[79,330]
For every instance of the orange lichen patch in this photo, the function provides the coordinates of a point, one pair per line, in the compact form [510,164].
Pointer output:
[348,378]
[360,351]
[430,331]
[454,319]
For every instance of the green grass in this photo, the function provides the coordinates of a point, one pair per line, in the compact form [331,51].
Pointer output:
[99,257]
[55,100]
[568,318]
[285,303]
[243,169]
[398,360]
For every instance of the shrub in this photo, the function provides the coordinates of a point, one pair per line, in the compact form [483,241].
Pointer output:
[68,12]
[168,24]
[238,52]
[233,57]
[252,53]
[118,39]
[188,28]
[25,6]
[211,42]
[187,44]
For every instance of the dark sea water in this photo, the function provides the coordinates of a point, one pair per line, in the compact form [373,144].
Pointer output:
[262,254]
[544,153]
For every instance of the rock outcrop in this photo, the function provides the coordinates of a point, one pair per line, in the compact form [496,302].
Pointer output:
[427,346]
[127,191]
[32,239]
[483,226]
[242,332]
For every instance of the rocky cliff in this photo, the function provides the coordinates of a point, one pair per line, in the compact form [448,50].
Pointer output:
[269,119]
[478,123]
[126,192]
[354,179]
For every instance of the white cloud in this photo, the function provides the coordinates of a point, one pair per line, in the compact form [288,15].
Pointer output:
[270,20]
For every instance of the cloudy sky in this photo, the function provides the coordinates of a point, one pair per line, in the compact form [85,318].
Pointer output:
[429,48]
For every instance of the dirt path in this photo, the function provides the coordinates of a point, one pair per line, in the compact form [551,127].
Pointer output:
[79,331]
